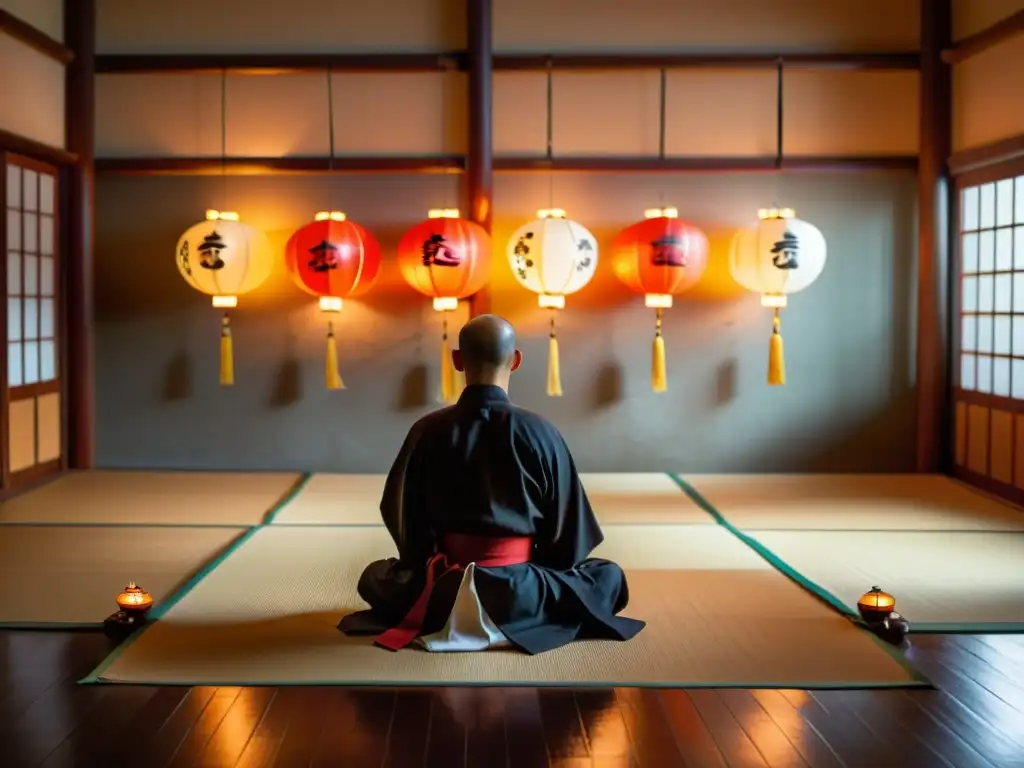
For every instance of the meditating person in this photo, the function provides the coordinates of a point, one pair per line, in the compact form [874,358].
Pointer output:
[492,525]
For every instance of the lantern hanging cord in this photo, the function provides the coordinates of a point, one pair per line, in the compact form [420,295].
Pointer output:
[444,326]
[554,314]
[551,133]
[662,110]
[330,329]
[330,118]
[445,88]
[779,129]
[779,114]
[776,321]
[224,135]
[657,322]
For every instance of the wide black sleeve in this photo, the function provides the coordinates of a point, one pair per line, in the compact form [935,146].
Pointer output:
[401,506]
[570,531]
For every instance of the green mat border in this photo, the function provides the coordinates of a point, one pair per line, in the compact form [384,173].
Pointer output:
[916,679]
[245,531]
[935,628]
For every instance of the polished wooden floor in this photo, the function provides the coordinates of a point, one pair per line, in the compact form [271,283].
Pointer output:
[975,718]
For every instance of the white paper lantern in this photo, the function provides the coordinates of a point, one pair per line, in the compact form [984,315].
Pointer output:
[553,256]
[778,256]
[224,258]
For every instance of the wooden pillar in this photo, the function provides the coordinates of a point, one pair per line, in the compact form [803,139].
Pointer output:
[933,250]
[79,194]
[479,166]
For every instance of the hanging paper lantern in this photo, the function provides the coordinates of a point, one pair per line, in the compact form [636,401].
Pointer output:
[553,256]
[448,259]
[333,258]
[224,258]
[660,257]
[777,256]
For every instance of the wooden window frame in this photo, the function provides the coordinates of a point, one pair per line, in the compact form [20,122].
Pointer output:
[41,471]
[989,174]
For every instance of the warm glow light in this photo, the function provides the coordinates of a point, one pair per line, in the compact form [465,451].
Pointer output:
[661,213]
[446,304]
[774,300]
[775,213]
[876,605]
[551,213]
[443,213]
[658,301]
[332,215]
[134,598]
[225,302]
[330,303]
[547,301]
[215,215]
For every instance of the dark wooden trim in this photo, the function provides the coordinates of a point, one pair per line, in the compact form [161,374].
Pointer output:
[433,62]
[24,32]
[278,63]
[40,388]
[35,474]
[984,39]
[1004,491]
[1000,152]
[609,61]
[19,145]
[273,165]
[649,164]
[78,192]
[447,163]
[479,178]
[998,402]
[30,483]
[933,263]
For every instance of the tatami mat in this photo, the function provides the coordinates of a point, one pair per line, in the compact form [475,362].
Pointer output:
[854,502]
[327,499]
[967,581]
[148,498]
[617,498]
[71,576]
[723,617]
[641,498]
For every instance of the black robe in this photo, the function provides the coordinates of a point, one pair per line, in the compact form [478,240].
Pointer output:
[486,467]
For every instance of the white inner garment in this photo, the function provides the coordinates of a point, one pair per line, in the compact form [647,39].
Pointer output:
[469,628]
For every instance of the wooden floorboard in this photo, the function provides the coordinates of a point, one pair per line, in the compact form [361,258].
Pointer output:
[975,719]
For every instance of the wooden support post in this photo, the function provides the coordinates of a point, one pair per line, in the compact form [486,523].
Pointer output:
[79,193]
[479,165]
[935,199]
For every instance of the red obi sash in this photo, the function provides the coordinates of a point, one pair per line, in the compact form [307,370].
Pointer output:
[457,551]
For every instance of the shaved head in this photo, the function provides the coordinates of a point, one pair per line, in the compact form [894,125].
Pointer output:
[487,342]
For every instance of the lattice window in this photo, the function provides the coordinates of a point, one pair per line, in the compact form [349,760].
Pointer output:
[31,278]
[992,288]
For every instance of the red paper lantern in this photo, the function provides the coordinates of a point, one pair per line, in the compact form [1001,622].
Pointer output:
[660,257]
[448,259]
[335,259]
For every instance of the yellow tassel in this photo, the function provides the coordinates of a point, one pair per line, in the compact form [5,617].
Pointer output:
[554,367]
[659,377]
[331,373]
[227,355]
[659,374]
[776,362]
[447,373]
